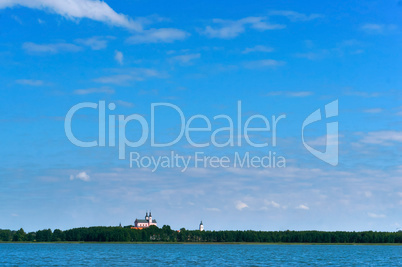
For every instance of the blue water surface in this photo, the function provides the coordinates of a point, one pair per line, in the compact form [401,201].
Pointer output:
[13,254]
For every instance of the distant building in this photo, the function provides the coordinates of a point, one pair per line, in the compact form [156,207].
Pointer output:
[201,226]
[140,224]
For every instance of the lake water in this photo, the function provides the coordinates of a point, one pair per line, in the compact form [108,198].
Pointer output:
[191,254]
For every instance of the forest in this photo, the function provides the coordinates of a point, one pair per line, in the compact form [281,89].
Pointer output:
[166,234]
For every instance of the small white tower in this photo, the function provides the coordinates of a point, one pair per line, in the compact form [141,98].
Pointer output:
[146,216]
[150,219]
[201,226]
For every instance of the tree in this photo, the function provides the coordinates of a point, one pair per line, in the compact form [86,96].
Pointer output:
[5,235]
[44,235]
[20,235]
[58,235]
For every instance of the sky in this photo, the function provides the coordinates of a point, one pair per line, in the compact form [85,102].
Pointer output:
[206,58]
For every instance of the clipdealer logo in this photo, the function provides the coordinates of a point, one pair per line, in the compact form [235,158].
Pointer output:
[330,155]
[241,135]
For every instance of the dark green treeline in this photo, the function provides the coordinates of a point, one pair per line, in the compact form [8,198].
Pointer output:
[166,234]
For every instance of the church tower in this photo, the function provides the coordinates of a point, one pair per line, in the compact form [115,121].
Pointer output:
[201,226]
[150,218]
[146,216]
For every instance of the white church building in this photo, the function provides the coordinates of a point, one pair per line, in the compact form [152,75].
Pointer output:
[147,222]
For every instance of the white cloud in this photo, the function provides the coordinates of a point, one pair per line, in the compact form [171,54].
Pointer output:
[373,28]
[330,140]
[373,110]
[104,90]
[17,19]
[258,48]
[151,19]
[213,209]
[350,47]
[264,63]
[273,204]
[124,103]
[163,35]
[186,59]
[313,55]
[226,32]
[295,16]
[303,188]
[77,9]
[81,176]
[368,194]
[290,93]
[116,79]
[118,56]
[241,205]
[50,48]
[309,44]
[135,74]
[230,29]
[361,94]
[95,43]
[302,207]
[382,137]
[30,82]
[376,216]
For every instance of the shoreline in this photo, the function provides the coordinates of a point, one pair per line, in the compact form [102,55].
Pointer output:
[207,243]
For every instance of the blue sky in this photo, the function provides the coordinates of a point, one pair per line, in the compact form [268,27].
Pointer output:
[287,57]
